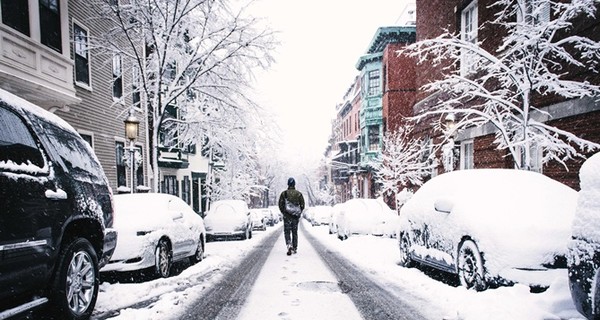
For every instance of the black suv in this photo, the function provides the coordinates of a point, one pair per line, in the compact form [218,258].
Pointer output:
[56,214]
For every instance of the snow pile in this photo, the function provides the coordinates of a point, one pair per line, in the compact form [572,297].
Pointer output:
[586,224]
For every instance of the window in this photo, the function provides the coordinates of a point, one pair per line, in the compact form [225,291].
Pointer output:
[135,87]
[17,146]
[117,77]
[169,185]
[468,32]
[373,138]
[185,190]
[82,55]
[374,82]
[15,14]
[534,12]
[169,135]
[120,159]
[535,158]
[88,138]
[50,34]
[139,169]
[466,155]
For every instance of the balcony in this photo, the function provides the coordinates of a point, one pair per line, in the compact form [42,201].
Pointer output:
[34,71]
[172,158]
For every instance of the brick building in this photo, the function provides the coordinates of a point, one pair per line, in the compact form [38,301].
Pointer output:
[475,147]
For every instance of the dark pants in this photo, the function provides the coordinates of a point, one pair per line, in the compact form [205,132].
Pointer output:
[290,231]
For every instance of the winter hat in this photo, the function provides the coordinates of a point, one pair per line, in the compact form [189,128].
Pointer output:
[291,182]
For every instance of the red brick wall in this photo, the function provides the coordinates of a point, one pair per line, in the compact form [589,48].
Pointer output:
[399,91]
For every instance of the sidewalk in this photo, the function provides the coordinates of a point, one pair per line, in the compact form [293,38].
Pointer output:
[296,287]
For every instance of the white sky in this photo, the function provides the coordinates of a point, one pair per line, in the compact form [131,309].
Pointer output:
[321,41]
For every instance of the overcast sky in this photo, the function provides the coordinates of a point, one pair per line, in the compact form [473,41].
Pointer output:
[321,41]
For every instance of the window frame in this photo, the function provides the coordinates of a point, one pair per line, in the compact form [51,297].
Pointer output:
[467,154]
[469,31]
[84,85]
[373,82]
[46,39]
[117,79]
[120,165]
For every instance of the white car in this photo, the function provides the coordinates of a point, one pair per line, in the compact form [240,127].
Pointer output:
[490,227]
[228,219]
[155,230]
[335,217]
[362,216]
[259,219]
[321,215]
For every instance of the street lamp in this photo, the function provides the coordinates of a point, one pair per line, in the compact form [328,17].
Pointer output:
[448,149]
[132,125]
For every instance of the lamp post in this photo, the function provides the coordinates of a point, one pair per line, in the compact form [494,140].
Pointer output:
[448,148]
[132,125]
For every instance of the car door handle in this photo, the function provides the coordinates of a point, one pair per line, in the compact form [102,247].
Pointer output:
[59,194]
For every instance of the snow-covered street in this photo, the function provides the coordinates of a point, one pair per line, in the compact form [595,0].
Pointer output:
[277,294]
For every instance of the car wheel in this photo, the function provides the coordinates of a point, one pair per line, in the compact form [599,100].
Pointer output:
[199,254]
[250,234]
[470,266]
[75,284]
[404,244]
[162,258]
[246,234]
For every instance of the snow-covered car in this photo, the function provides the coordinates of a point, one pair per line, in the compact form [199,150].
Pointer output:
[276,214]
[155,230]
[362,216]
[489,226]
[321,215]
[584,249]
[259,219]
[335,217]
[228,219]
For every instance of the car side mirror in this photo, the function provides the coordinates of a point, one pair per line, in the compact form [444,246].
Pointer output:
[443,205]
[176,215]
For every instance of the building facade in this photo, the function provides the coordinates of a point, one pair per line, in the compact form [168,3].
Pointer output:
[475,147]
[47,59]
[387,91]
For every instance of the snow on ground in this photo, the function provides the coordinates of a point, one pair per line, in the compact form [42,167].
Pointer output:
[377,256]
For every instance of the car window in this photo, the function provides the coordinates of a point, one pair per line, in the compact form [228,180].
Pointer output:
[17,145]
[75,153]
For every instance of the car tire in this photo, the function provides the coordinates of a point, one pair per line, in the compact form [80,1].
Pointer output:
[250,234]
[199,254]
[404,245]
[246,234]
[162,259]
[470,266]
[75,284]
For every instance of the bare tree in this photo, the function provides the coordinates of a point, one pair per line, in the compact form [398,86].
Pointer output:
[498,88]
[404,162]
[194,56]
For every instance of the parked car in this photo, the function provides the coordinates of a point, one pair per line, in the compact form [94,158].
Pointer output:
[228,219]
[584,248]
[362,216]
[155,230]
[276,213]
[489,226]
[335,218]
[56,217]
[259,219]
[321,215]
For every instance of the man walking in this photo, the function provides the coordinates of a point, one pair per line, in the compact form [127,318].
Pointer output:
[291,205]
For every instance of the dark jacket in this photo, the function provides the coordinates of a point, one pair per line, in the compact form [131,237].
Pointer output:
[293,196]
